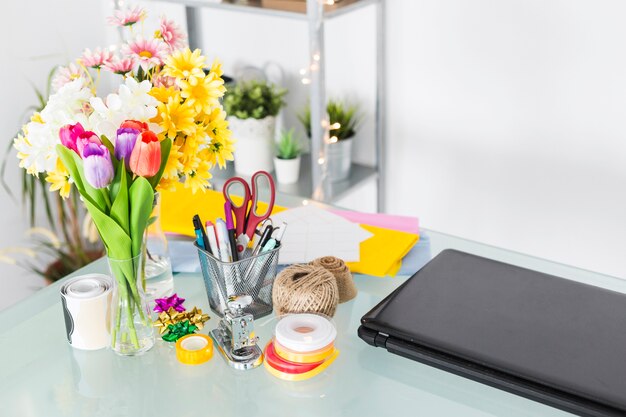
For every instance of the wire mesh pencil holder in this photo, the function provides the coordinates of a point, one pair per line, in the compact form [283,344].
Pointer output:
[252,275]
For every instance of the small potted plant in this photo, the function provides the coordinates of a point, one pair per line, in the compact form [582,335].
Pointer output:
[287,160]
[343,121]
[252,107]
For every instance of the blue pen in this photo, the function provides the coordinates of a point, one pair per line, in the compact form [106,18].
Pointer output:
[201,237]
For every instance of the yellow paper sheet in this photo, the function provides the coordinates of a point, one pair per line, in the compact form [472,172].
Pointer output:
[178,208]
[381,255]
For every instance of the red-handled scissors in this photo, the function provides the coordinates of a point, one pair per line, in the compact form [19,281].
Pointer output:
[247,214]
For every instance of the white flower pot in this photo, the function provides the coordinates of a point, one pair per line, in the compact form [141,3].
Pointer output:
[254,149]
[339,159]
[287,170]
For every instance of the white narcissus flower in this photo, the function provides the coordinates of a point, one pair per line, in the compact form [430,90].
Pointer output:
[36,146]
[36,149]
[64,106]
[133,102]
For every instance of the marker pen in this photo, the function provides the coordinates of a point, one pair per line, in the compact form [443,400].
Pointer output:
[222,238]
[210,231]
[275,240]
[230,226]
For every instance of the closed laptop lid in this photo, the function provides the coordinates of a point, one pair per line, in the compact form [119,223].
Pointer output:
[550,330]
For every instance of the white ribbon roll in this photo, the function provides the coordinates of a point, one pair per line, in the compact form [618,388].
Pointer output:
[305,332]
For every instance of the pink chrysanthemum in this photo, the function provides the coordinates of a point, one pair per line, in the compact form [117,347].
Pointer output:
[127,17]
[171,34]
[65,75]
[147,53]
[96,58]
[121,66]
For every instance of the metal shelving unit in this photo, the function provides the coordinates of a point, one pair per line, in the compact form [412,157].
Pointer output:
[313,182]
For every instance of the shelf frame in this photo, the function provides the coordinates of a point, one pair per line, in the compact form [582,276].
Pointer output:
[315,16]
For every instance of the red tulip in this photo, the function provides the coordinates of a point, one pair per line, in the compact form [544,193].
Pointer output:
[145,160]
[134,124]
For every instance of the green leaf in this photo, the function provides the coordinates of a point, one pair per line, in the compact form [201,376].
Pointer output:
[45,196]
[166,146]
[117,180]
[119,210]
[31,187]
[141,197]
[118,244]
[106,142]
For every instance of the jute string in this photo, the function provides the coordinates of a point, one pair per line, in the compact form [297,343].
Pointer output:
[305,289]
[345,282]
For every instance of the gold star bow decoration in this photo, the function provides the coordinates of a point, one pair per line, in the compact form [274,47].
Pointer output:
[171,317]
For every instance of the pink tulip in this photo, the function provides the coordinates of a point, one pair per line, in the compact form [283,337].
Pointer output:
[69,134]
[145,160]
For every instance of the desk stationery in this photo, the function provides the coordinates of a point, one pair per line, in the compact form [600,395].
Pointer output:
[41,375]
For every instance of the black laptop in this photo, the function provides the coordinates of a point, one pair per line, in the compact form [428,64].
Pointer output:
[546,338]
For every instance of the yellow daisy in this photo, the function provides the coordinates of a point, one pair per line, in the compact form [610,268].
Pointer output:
[167,184]
[184,64]
[221,151]
[190,163]
[60,180]
[163,94]
[176,117]
[173,166]
[216,68]
[202,93]
[198,180]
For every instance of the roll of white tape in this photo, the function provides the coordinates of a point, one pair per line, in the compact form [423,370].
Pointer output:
[86,306]
[305,332]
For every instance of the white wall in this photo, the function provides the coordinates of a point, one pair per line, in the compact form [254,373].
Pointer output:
[507,124]
[35,35]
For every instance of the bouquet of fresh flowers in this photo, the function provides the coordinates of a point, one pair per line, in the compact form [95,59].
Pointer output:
[165,124]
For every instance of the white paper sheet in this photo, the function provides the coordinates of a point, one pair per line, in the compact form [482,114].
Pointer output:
[313,232]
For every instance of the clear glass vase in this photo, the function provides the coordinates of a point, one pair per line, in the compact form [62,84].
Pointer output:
[159,278]
[131,325]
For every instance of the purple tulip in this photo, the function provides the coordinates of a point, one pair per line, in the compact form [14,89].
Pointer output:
[84,139]
[97,165]
[125,143]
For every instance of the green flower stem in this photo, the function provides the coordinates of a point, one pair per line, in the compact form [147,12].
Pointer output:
[125,296]
[107,199]
[116,328]
[131,323]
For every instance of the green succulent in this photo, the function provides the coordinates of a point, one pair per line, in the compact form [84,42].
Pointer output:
[338,112]
[288,146]
[254,99]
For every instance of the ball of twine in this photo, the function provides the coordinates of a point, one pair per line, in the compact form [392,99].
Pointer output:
[305,289]
[345,282]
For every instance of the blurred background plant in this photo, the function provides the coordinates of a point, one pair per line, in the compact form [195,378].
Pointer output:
[253,99]
[340,114]
[68,239]
[288,146]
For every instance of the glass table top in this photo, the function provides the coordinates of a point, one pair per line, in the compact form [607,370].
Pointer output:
[41,375]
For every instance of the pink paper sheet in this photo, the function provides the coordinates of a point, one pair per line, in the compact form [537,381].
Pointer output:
[387,221]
